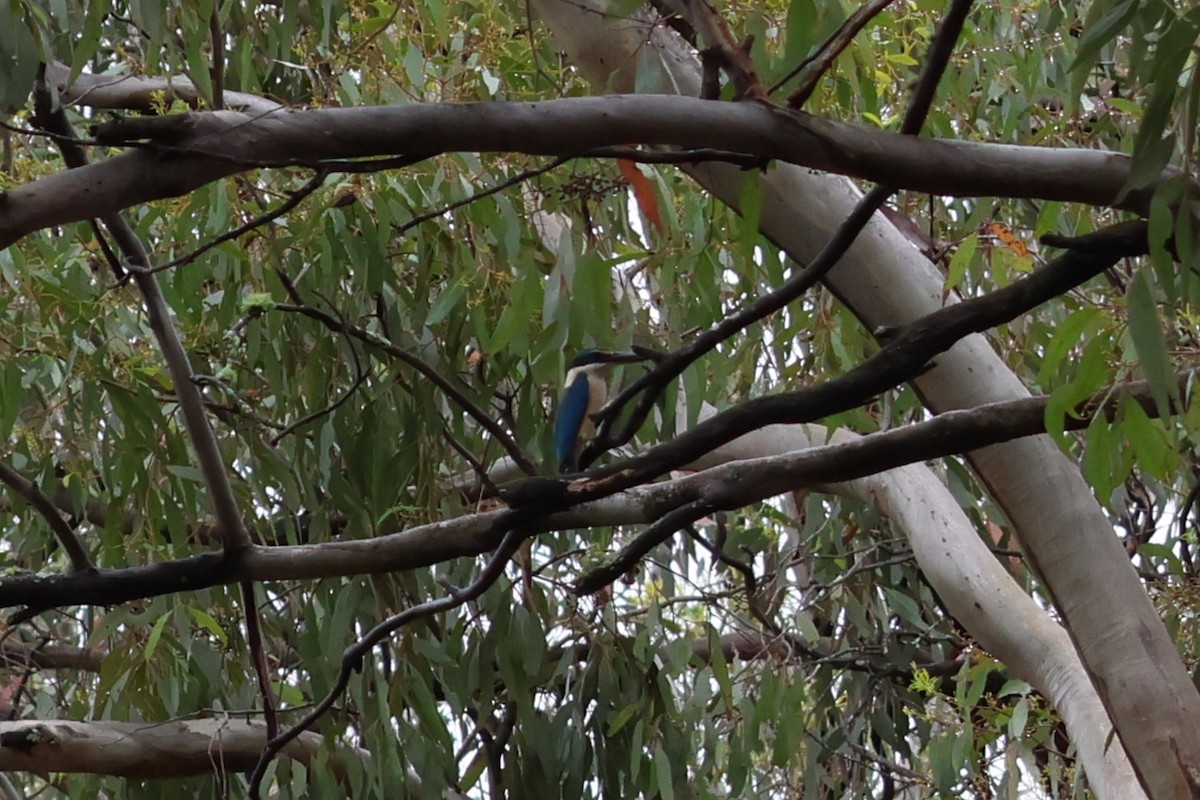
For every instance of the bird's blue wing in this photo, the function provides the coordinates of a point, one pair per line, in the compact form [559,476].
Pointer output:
[568,421]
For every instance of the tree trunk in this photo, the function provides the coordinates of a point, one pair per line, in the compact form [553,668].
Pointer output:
[885,281]
[975,587]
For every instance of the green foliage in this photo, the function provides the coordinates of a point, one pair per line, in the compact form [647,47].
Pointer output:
[622,696]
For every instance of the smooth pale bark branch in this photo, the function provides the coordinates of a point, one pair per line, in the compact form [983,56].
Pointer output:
[148,750]
[202,147]
[141,93]
[974,586]
[886,281]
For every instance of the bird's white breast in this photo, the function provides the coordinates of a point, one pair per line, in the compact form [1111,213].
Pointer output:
[597,392]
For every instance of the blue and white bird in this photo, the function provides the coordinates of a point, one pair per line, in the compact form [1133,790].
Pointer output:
[584,393]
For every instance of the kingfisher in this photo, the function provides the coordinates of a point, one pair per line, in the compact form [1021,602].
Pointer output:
[584,393]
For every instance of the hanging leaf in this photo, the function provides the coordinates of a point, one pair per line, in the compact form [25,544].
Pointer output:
[1149,343]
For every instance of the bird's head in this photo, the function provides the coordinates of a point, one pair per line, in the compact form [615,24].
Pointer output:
[594,359]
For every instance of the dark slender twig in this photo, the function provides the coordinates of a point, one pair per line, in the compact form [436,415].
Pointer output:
[488,488]
[749,581]
[667,526]
[356,167]
[354,654]
[360,377]
[734,56]
[239,408]
[382,26]
[940,50]
[1185,513]
[204,442]
[57,138]
[693,156]
[494,744]
[295,198]
[23,681]
[258,657]
[434,377]
[819,62]
[114,263]
[818,591]
[890,766]
[519,178]
[217,72]
[63,531]
[655,382]
[675,21]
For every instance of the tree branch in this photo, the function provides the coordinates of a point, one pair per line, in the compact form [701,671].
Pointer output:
[141,94]
[634,551]
[217,72]
[294,199]
[353,655]
[655,382]
[51,656]
[729,485]
[258,658]
[212,467]
[904,357]
[192,150]
[465,403]
[812,68]
[148,750]
[734,57]
[63,532]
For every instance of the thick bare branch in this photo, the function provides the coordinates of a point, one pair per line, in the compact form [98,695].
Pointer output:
[51,656]
[142,94]
[147,750]
[196,149]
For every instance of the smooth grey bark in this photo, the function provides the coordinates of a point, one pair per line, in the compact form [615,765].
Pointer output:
[191,150]
[163,750]
[980,593]
[141,93]
[886,282]
[147,749]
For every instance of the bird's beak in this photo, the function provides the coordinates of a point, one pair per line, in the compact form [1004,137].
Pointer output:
[623,357]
